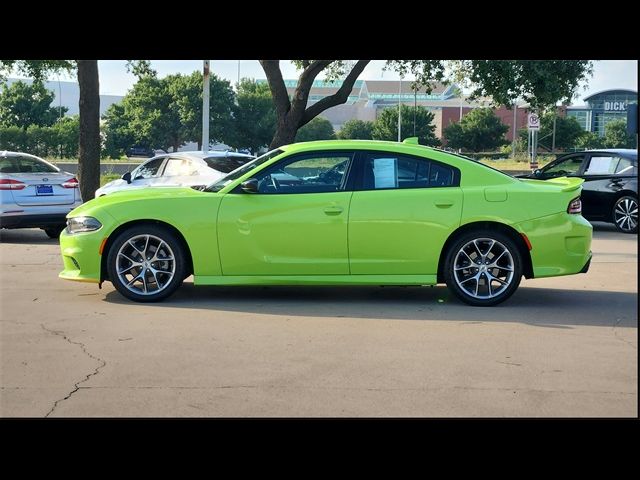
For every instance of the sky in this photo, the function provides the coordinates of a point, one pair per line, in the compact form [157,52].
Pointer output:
[114,79]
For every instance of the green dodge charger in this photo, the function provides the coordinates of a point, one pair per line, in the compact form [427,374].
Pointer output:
[349,212]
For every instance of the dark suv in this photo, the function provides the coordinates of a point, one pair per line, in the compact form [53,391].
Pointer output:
[610,188]
[138,151]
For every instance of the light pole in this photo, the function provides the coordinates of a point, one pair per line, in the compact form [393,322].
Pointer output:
[205,106]
[515,119]
[399,111]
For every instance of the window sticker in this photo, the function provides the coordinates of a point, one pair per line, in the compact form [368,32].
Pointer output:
[601,165]
[385,172]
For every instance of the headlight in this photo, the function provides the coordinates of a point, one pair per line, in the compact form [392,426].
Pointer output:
[82,224]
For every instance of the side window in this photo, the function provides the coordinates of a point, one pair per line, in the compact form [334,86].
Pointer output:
[569,166]
[179,167]
[626,166]
[602,165]
[148,169]
[389,170]
[311,173]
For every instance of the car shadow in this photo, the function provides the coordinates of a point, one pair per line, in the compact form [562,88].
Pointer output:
[543,307]
[19,236]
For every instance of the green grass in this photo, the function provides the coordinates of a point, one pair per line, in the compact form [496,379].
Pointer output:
[107,177]
[518,163]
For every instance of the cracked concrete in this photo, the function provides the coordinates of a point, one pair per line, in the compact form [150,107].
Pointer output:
[87,377]
[564,347]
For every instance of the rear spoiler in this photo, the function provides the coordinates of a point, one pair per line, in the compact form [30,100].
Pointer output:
[566,184]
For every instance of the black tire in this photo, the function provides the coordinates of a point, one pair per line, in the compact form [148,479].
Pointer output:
[481,293]
[54,232]
[165,284]
[625,214]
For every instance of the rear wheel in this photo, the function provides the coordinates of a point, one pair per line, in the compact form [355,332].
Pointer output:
[146,263]
[483,268]
[625,214]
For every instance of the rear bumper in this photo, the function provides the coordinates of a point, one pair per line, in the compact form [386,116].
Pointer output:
[33,221]
[585,269]
[561,244]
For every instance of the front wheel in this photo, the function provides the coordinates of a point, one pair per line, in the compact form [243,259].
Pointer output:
[625,214]
[146,263]
[483,268]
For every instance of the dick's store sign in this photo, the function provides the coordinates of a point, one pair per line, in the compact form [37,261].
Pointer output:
[615,106]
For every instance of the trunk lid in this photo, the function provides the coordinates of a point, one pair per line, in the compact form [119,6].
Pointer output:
[563,184]
[44,189]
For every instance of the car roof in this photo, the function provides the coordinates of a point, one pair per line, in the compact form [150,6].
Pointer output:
[622,151]
[210,154]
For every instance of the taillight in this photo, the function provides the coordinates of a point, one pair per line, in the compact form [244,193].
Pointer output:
[71,183]
[575,206]
[10,184]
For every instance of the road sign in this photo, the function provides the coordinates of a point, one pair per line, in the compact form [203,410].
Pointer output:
[533,121]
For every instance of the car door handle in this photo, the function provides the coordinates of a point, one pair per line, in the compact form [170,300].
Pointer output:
[333,210]
[443,203]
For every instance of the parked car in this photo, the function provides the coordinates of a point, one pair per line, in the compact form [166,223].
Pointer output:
[387,214]
[191,169]
[35,193]
[610,189]
[138,151]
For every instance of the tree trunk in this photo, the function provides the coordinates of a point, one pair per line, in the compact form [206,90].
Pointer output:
[89,162]
[285,134]
[293,113]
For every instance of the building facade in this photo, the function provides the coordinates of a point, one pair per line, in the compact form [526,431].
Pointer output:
[369,97]
[602,108]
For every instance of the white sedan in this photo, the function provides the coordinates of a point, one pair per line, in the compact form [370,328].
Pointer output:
[190,169]
[35,193]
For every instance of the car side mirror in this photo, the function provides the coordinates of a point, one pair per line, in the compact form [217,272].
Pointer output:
[127,177]
[537,172]
[250,186]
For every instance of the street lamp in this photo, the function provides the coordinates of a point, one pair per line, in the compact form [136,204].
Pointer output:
[205,106]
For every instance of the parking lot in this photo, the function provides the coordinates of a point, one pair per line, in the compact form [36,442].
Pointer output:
[564,346]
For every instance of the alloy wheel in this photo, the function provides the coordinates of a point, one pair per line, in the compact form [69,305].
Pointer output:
[483,268]
[626,214]
[145,264]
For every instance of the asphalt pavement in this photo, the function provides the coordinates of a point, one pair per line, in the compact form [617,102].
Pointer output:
[564,346]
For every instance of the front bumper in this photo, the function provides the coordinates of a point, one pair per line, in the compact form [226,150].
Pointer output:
[81,256]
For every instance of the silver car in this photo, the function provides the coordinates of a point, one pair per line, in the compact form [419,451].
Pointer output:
[35,194]
[191,169]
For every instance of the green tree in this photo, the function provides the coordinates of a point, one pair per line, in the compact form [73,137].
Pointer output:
[23,104]
[479,131]
[356,130]
[589,140]
[117,131]
[165,113]
[254,116]
[386,125]
[568,131]
[541,83]
[317,129]
[616,136]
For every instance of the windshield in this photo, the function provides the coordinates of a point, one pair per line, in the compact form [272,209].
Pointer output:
[238,172]
[226,164]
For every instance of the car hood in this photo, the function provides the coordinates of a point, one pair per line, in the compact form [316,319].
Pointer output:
[135,195]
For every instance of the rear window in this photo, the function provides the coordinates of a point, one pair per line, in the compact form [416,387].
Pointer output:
[226,164]
[18,164]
